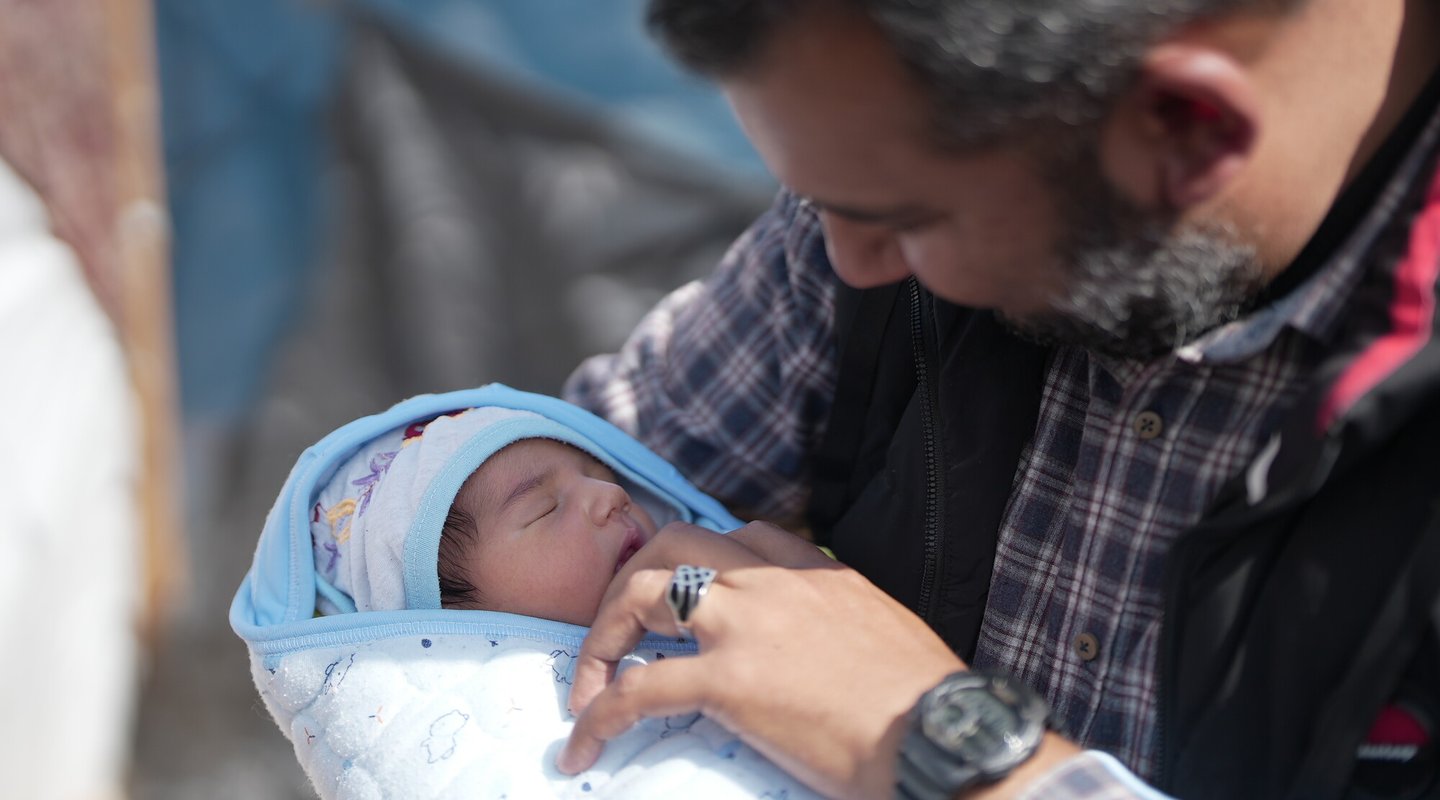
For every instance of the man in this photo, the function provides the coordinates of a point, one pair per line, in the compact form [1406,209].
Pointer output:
[1150,431]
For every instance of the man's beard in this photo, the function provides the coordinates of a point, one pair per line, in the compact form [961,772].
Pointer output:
[1135,285]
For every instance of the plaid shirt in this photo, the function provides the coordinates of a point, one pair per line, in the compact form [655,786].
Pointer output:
[730,379]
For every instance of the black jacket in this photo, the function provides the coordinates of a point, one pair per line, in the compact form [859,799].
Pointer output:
[1297,626]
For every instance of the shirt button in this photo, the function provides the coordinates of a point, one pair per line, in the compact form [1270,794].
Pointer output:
[1148,424]
[1087,646]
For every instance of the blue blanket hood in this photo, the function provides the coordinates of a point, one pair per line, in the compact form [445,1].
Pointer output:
[274,608]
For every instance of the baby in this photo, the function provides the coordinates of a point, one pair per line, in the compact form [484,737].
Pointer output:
[539,525]
[418,599]
[539,529]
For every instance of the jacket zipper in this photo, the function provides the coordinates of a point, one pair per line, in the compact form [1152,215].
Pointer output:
[924,382]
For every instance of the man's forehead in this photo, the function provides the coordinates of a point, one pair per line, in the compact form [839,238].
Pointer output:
[839,119]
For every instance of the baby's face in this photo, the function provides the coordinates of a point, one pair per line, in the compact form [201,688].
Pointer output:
[554,526]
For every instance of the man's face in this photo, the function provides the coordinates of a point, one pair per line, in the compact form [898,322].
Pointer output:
[553,525]
[1044,240]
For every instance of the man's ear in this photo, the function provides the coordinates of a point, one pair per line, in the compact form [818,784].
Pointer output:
[1182,132]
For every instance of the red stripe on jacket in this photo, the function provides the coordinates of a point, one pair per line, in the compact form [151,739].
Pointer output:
[1412,316]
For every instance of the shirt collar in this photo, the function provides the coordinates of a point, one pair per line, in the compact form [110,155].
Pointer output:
[1315,308]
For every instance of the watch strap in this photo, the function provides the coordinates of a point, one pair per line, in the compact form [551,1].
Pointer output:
[924,772]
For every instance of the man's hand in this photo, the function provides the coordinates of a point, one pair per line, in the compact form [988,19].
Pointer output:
[804,659]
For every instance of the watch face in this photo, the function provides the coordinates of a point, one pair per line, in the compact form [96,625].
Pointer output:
[974,725]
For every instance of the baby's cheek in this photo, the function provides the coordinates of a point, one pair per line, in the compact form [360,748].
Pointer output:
[589,589]
[590,600]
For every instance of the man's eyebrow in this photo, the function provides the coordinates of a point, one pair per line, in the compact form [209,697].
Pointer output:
[525,487]
[892,214]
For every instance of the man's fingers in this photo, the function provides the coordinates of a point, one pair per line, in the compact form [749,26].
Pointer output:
[682,543]
[590,677]
[781,547]
[635,601]
[672,686]
[618,627]
[636,607]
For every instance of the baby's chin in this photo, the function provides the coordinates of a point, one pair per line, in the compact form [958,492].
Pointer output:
[582,617]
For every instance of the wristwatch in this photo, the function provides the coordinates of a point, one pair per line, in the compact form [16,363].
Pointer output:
[973,728]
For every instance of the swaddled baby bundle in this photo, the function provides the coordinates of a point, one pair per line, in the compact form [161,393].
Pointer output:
[384,694]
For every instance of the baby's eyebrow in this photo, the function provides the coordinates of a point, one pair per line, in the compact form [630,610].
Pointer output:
[525,487]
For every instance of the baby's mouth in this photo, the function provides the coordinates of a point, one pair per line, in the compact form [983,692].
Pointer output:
[634,540]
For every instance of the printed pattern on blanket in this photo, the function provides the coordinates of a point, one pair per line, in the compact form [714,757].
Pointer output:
[483,716]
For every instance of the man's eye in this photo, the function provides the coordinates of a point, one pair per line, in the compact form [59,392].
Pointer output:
[912,226]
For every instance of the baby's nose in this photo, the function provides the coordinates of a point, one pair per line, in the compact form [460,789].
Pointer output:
[608,499]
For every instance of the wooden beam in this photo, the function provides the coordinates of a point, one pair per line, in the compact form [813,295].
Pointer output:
[143,287]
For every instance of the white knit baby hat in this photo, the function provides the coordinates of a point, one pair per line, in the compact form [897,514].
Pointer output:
[375,526]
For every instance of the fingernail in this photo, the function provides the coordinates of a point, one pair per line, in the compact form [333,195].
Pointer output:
[567,762]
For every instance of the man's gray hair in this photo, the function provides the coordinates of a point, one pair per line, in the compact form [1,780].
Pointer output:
[990,66]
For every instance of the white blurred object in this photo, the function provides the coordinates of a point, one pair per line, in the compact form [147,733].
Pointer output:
[69,533]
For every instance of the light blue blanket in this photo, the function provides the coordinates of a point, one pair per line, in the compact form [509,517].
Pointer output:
[463,704]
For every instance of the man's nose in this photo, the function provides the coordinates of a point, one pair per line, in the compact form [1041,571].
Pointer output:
[863,255]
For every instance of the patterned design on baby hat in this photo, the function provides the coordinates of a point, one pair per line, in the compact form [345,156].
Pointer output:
[341,512]
[333,525]
[341,516]
[378,465]
[365,509]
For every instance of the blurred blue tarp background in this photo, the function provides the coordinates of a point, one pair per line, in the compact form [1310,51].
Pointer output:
[246,88]
[375,198]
